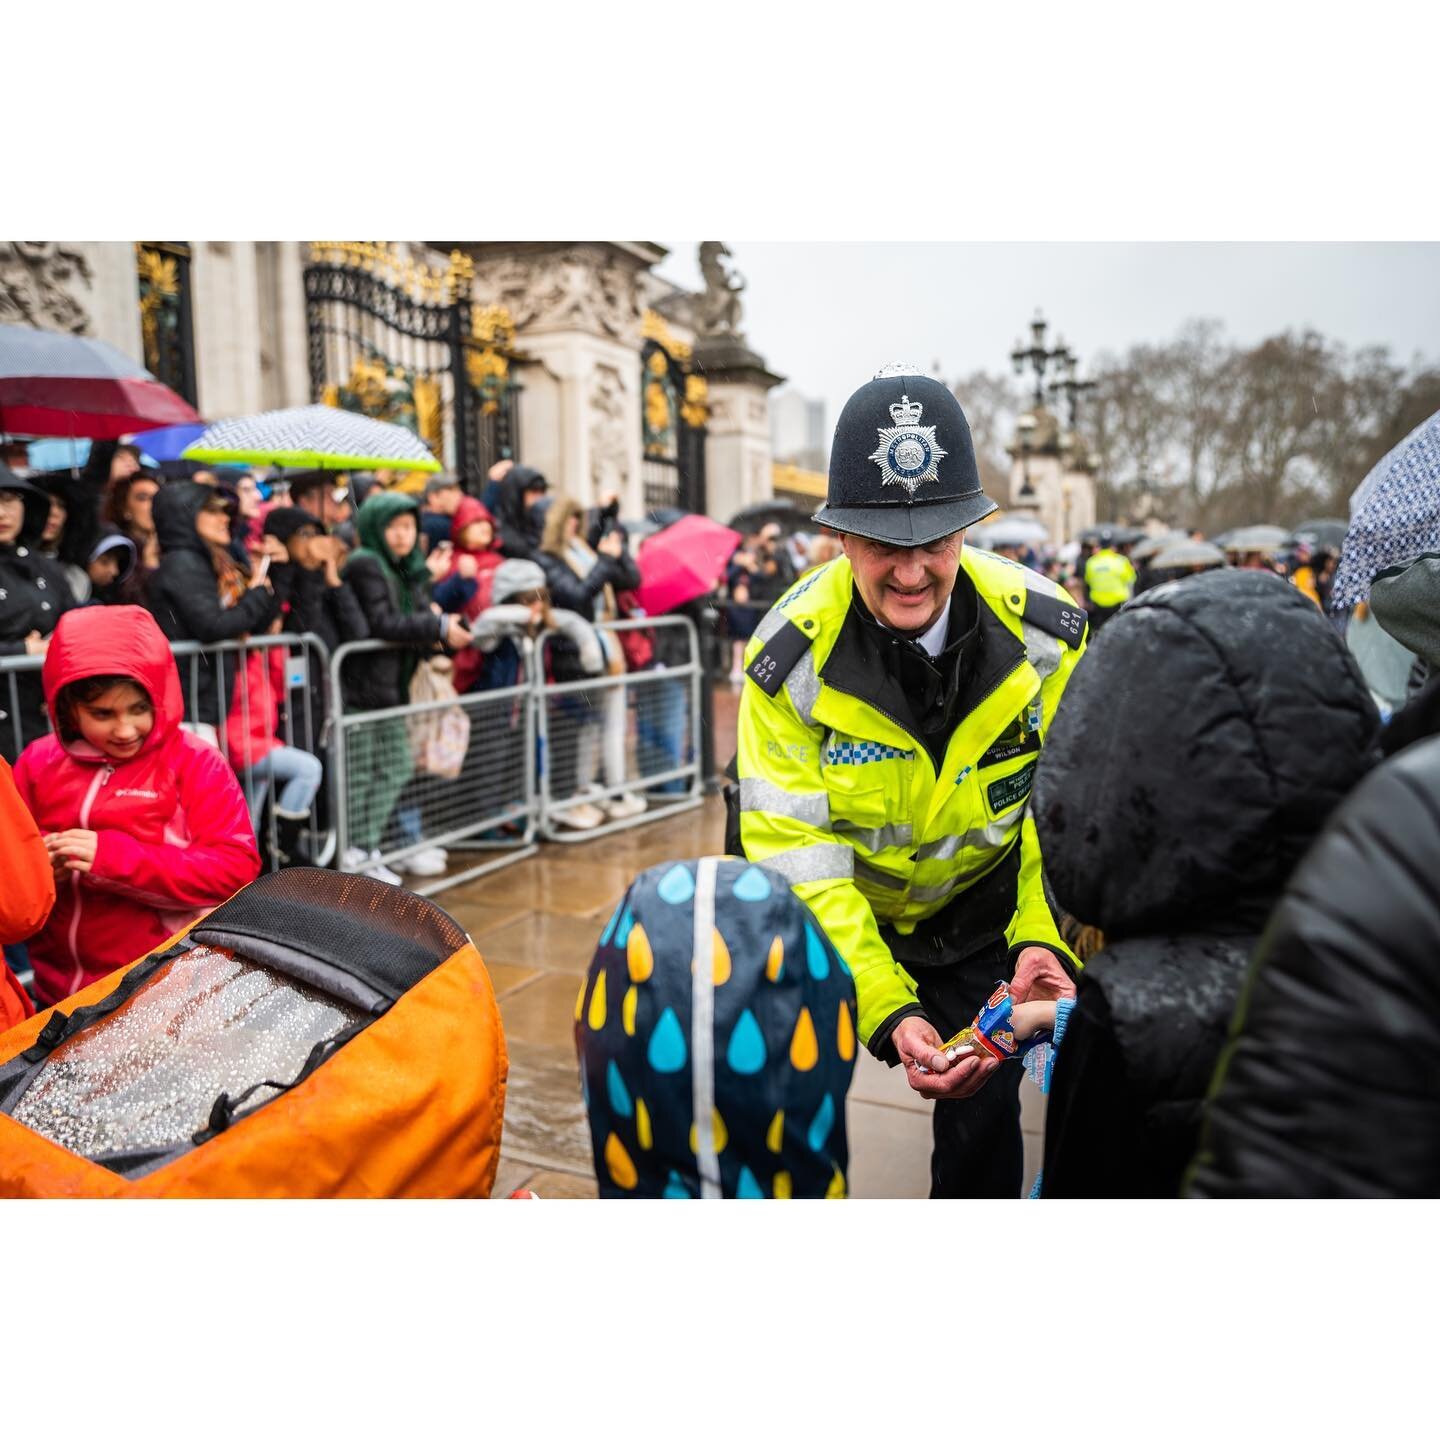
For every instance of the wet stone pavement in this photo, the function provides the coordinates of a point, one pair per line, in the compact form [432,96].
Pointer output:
[536,923]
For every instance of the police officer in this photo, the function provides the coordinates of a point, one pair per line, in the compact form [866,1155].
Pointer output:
[896,702]
[1109,580]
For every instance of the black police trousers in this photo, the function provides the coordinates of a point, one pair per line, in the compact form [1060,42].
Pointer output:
[956,958]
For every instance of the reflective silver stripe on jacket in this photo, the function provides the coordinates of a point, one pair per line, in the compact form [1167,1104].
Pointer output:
[802,685]
[1042,650]
[810,806]
[877,837]
[827,861]
[875,876]
[986,837]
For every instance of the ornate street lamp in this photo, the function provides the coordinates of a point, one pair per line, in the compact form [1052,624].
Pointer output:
[1025,426]
[1037,356]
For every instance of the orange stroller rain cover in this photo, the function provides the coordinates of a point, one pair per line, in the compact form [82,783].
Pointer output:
[318,1035]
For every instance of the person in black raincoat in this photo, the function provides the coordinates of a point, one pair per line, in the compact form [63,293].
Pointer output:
[1331,1085]
[516,521]
[1213,727]
[34,593]
[201,592]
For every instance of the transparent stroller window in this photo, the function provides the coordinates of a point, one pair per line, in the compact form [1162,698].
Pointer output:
[147,1076]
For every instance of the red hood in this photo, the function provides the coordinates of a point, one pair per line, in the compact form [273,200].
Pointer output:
[469,512]
[115,640]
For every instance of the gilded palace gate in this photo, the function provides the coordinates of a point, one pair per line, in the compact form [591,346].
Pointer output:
[402,340]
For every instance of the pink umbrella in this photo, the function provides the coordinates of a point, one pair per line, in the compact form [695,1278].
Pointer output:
[683,561]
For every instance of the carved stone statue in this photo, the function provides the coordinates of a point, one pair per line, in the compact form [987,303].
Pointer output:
[717,310]
[35,277]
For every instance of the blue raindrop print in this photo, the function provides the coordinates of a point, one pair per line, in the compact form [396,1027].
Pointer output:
[615,1089]
[815,957]
[747,1187]
[752,885]
[666,1052]
[614,921]
[626,925]
[675,1188]
[677,885]
[746,1052]
[821,1125]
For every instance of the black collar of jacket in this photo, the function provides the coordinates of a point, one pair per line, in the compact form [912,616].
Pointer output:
[895,675]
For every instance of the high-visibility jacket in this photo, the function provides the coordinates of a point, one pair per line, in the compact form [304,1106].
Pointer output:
[1109,578]
[847,804]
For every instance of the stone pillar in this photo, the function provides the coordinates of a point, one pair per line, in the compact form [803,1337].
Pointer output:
[227,328]
[576,307]
[737,441]
[580,415]
[80,287]
[284,345]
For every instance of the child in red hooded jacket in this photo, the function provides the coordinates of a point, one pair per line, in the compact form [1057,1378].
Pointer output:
[145,824]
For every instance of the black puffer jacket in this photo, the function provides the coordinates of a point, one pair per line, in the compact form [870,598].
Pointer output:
[34,593]
[183,595]
[1202,744]
[1332,1084]
[517,526]
[569,591]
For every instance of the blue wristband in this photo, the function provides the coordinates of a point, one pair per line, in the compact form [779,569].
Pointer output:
[1062,1018]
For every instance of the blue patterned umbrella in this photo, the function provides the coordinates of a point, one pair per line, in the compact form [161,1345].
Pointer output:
[1395,515]
[313,437]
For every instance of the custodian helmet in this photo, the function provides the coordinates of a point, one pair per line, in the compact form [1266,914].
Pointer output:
[902,465]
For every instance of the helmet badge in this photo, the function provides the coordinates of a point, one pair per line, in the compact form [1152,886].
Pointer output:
[908,453]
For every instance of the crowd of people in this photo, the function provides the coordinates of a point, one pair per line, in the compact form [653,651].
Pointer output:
[455,582]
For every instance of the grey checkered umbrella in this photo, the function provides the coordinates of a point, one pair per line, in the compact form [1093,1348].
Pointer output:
[1395,515]
[312,437]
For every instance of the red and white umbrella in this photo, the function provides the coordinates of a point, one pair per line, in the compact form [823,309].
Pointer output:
[54,384]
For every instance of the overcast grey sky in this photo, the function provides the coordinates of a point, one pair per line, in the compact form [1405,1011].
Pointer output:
[828,315]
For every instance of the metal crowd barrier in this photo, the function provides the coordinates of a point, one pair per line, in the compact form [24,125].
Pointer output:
[301,727]
[643,724]
[631,744]
[384,802]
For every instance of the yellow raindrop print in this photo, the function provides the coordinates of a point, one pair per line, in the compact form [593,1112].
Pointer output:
[580,1002]
[845,1033]
[804,1048]
[775,962]
[642,1124]
[619,1163]
[597,1003]
[783,1190]
[639,956]
[776,1133]
[722,959]
[836,1189]
[627,1009]
[721,1135]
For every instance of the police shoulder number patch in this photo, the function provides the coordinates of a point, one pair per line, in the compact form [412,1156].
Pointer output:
[781,654]
[1065,622]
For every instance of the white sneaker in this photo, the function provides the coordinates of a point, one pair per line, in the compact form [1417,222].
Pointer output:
[581,817]
[354,860]
[622,807]
[425,863]
[376,871]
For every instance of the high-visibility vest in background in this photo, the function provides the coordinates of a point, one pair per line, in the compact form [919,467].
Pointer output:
[1109,578]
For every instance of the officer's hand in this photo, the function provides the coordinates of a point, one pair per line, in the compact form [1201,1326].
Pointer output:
[1040,976]
[916,1041]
